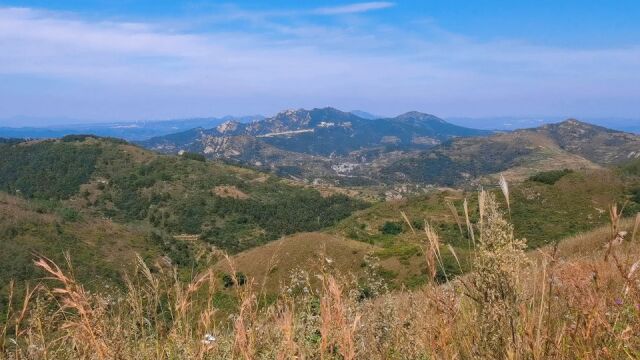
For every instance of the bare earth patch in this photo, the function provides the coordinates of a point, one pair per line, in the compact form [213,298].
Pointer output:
[229,191]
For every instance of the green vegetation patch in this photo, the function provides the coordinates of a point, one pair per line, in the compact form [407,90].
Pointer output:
[632,167]
[47,170]
[550,177]
[194,156]
[391,228]
[400,250]
[576,203]
[446,164]
[178,196]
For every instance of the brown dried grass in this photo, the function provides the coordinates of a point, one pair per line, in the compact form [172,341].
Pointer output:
[563,302]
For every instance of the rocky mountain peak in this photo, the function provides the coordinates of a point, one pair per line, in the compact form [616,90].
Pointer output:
[228,126]
[291,116]
[575,123]
[416,115]
[574,127]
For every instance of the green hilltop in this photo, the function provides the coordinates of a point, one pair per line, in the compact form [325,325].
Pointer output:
[105,200]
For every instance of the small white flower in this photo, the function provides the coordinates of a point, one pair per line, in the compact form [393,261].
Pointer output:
[208,339]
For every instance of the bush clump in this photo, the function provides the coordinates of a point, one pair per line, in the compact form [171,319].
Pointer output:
[193,156]
[550,177]
[391,228]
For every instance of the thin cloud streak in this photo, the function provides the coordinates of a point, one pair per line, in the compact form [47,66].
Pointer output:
[353,8]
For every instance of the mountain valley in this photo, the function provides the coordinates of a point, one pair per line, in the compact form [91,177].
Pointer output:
[278,206]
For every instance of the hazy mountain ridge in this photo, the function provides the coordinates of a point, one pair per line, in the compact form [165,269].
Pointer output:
[512,123]
[338,147]
[569,144]
[327,129]
[343,148]
[129,130]
[312,143]
[596,143]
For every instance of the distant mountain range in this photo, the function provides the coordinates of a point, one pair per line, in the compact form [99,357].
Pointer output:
[144,130]
[358,148]
[366,115]
[321,143]
[139,130]
[323,132]
[523,122]
[343,148]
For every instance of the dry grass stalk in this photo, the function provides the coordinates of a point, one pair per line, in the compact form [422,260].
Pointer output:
[286,322]
[630,276]
[87,330]
[455,256]
[244,343]
[573,305]
[614,217]
[470,231]
[243,325]
[406,219]
[636,227]
[504,186]
[456,216]
[184,295]
[5,326]
[28,295]
[432,252]
[482,199]
[337,331]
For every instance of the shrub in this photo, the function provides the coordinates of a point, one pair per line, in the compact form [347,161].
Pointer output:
[391,228]
[494,283]
[550,177]
[230,281]
[69,214]
[194,156]
[635,195]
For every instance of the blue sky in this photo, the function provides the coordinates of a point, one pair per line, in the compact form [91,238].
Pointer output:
[106,60]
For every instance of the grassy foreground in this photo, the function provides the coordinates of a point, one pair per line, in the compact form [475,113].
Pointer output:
[579,299]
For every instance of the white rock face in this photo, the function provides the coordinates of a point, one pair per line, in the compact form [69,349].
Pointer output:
[286,133]
[216,145]
[425,140]
[344,168]
[325,124]
[227,126]
[390,140]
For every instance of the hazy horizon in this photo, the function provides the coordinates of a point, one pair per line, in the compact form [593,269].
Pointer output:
[504,122]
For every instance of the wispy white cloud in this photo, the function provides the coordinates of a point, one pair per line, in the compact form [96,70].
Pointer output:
[118,69]
[353,8]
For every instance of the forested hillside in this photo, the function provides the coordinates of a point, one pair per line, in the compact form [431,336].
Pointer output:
[105,200]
